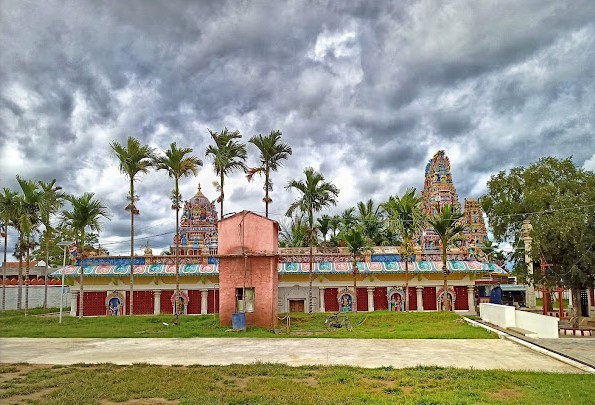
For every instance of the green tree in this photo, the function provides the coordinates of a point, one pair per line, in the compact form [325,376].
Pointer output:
[370,218]
[405,218]
[7,214]
[272,154]
[177,164]
[323,224]
[135,159]
[559,199]
[51,200]
[315,194]
[294,232]
[28,202]
[449,230]
[85,213]
[357,244]
[228,156]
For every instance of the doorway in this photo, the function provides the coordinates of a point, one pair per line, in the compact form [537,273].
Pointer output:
[296,306]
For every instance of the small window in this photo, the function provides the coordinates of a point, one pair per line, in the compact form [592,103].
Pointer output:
[245,299]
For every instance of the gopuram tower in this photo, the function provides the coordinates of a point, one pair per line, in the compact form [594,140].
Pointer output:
[198,229]
[438,191]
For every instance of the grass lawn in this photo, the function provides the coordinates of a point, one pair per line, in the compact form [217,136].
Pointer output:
[279,384]
[380,324]
[556,303]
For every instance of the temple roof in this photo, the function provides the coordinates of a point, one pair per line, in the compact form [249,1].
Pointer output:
[285,268]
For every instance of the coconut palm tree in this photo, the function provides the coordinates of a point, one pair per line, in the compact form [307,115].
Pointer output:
[357,244]
[323,224]
[449,230]
[228,156]
[405,218]
[134,159]
[7,213]
[369,217]
[294,232]
[85,212]
[49,204]
[177,164]
[28,203]
[315,194]
[272,153]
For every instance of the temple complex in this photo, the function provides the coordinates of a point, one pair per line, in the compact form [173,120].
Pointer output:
[251,274]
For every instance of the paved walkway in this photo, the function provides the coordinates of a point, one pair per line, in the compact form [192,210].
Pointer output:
[371,353]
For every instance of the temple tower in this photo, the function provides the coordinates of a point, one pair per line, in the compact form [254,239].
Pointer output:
[475,227]
[198,228]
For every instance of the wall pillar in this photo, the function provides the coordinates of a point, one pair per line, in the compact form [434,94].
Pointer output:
[321,295]
[204,294]
[370,299]
[471,297]
[74,302]
[526,229]
[156,302]
[420,299]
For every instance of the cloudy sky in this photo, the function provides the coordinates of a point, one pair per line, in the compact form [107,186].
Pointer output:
[366,92]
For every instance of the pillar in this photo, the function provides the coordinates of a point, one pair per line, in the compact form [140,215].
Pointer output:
[156,302]
[471,297]
[526,229]
[370,299]
[321,300]
[74,302]
[420,298]
[204,295]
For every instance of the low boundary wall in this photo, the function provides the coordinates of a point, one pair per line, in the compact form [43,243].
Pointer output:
[505,316]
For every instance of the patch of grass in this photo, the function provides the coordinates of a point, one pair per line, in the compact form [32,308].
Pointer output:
[280,384]
[380,324]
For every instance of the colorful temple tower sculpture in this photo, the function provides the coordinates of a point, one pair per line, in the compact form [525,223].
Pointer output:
[198,228]
[438,191]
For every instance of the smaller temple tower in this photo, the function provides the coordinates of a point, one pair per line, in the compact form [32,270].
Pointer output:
[198,228]
[475,227]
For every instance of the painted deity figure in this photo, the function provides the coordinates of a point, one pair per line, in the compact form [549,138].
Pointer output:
[345,303]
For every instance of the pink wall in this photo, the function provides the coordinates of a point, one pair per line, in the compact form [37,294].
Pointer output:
[260,237]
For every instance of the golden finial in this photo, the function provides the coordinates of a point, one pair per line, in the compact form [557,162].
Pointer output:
[199,186]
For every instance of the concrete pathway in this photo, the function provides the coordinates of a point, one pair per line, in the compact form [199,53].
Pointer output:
[370,353]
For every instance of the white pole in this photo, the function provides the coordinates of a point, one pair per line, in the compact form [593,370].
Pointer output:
[62,286]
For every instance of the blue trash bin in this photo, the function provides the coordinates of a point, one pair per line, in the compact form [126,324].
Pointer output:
[238,321]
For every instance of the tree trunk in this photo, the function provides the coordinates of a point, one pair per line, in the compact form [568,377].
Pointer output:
[45,270]
[20,279]
[354,303]
[576,305]
[4,270]
[407,284]
[177,316]
[266,192]
[445,300]
[310,308]
[222,195]
[81,289]
[132,208]
[27,272]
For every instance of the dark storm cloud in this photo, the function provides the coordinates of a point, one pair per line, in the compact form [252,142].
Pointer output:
[363,91]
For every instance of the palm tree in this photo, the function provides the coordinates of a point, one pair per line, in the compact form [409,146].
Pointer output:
[316,194]
[50,202]
[348,220]
[134,159]
[28,219]
[370,219]
[177,164]
[228,155]
[85,213]
[7,212]
[294,232]
[271,154]
[323,224]
[446,226]
[405,218]
[357,244]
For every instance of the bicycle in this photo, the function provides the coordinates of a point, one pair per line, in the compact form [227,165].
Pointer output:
[335,322]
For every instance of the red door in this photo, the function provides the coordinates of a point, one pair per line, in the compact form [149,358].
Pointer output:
[213,302]
[144,303]
[429,298]
[194,302]
[93,303]
[362,299]
[330,300]
[380,299]
[461,298]
[412,299]
[165,302]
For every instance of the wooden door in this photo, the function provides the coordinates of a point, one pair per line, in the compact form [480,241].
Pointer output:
[296,306]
